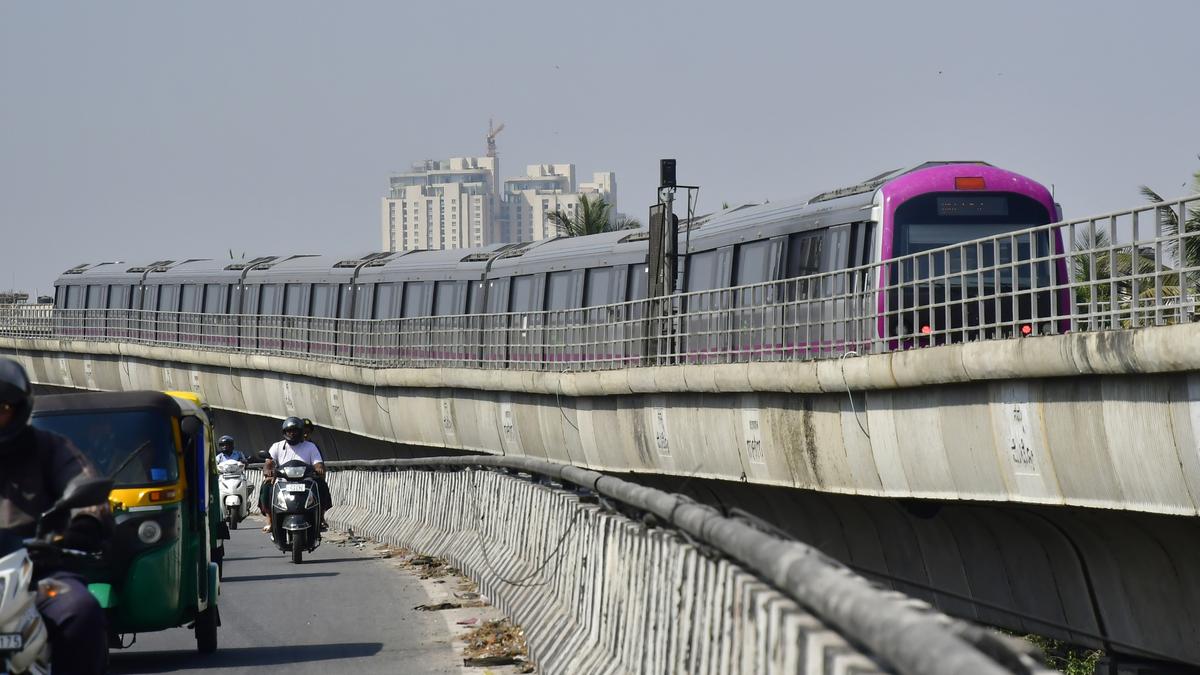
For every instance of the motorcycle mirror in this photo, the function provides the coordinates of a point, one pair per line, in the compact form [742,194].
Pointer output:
[263,455]
[84,492]
[191,428]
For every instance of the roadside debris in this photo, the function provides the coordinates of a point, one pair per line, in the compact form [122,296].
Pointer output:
[497,643]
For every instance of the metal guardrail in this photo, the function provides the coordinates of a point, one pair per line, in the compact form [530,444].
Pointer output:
[1128,269]
[904,634]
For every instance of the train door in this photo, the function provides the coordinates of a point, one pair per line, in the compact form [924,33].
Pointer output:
[525,336]
[564,336]
[495,322]
[754,317]
[706,304]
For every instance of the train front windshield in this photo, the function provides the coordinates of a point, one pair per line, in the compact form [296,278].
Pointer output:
[938,220]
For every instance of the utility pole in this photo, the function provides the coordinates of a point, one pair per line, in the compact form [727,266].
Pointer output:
[662,262]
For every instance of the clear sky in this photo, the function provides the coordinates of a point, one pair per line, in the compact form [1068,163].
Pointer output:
[146,130]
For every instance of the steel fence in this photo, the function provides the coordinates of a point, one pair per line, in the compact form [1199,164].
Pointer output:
[1127,269]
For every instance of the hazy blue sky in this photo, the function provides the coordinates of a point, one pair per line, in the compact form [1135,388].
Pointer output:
[144,130]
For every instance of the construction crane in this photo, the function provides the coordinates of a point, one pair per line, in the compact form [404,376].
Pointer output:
[491,137]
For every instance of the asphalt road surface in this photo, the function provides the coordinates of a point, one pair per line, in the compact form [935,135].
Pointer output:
[342,611]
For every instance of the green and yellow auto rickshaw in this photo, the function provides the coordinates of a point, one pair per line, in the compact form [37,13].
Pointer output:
[160,569]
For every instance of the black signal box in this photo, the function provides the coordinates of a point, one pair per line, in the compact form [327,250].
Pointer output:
[666,173]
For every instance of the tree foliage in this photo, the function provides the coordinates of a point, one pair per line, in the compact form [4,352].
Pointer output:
[593,216]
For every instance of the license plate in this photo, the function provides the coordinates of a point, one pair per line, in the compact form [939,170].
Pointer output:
[11,641]
[295,487]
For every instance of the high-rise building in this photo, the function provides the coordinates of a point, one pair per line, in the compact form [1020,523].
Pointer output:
[456,204]
[441,204]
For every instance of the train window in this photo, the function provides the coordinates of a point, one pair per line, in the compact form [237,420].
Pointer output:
[118,297]
[74,297]
[346,304]
[804,254]
[639,282]
[295,300]
[324,300]
[563,289]
[601,287]
[215,297]
[837,252]
[418,298]
[497,295]
[96,296]
[364,301]
[189,298]
[149,297]
[756,262]
[524,294]
[270,302]
[451,298]
[168,298]
[708,269]
[387,301]
[861,243]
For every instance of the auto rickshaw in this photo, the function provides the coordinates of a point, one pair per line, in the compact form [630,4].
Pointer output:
[160,569]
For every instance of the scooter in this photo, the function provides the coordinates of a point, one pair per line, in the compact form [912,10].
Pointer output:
[296,509]
[24,641]
[235,492]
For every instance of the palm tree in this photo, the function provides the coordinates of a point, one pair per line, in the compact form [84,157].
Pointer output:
[594,215]
[1132,269]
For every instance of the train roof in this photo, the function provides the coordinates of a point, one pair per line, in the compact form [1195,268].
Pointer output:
[454,263]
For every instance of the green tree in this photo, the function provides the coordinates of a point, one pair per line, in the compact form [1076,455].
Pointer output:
[1131,269]
[593,216]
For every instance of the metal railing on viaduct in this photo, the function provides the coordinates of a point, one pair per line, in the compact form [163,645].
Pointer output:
[609,576]
[1128,269]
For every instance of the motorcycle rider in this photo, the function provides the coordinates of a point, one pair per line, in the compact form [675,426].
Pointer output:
[227,451]
[293,446]
[38,466]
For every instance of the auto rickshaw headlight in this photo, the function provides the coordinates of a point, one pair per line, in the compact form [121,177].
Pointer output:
[150,532]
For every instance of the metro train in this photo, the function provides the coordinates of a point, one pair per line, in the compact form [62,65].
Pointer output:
[892,215]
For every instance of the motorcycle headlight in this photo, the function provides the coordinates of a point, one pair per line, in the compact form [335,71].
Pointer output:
[294,472]
[281,499]
[150,532]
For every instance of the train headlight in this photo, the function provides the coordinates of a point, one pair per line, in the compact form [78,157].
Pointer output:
[150,532]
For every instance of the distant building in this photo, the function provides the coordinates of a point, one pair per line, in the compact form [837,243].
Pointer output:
[13,298]
[441,204]
[457,203]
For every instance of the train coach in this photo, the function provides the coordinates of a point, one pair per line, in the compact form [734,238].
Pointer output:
[752,279]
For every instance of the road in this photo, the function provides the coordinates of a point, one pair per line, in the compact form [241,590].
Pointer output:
[343,610]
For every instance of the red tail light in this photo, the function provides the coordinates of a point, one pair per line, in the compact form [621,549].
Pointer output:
[969,183]
[1026,329]
[926,330]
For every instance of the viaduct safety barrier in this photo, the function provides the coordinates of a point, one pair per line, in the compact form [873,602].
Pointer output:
[609,576]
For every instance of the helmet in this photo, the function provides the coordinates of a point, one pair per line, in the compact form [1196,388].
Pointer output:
[17,392]
[308,427]
[224,441]
[292,423]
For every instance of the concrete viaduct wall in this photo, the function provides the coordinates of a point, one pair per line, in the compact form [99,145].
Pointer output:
[1108,420]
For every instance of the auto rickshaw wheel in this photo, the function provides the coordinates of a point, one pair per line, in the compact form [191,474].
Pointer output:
[206,630]
[297,548]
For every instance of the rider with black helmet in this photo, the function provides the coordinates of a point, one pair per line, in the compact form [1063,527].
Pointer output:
[293,446]
[38,466]
[226,451]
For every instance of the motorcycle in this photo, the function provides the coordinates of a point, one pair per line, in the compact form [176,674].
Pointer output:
[296,509]
[24,641]
[235,492]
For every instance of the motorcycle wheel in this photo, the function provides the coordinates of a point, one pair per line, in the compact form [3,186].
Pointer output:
[206,630]
[297,550]
[232,520]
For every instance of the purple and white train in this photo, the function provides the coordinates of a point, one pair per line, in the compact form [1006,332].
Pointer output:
[879,231]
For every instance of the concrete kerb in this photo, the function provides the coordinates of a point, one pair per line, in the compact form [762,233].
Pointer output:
[891,630]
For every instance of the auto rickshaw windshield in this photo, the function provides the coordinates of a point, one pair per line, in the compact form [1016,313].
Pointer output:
[136,444]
